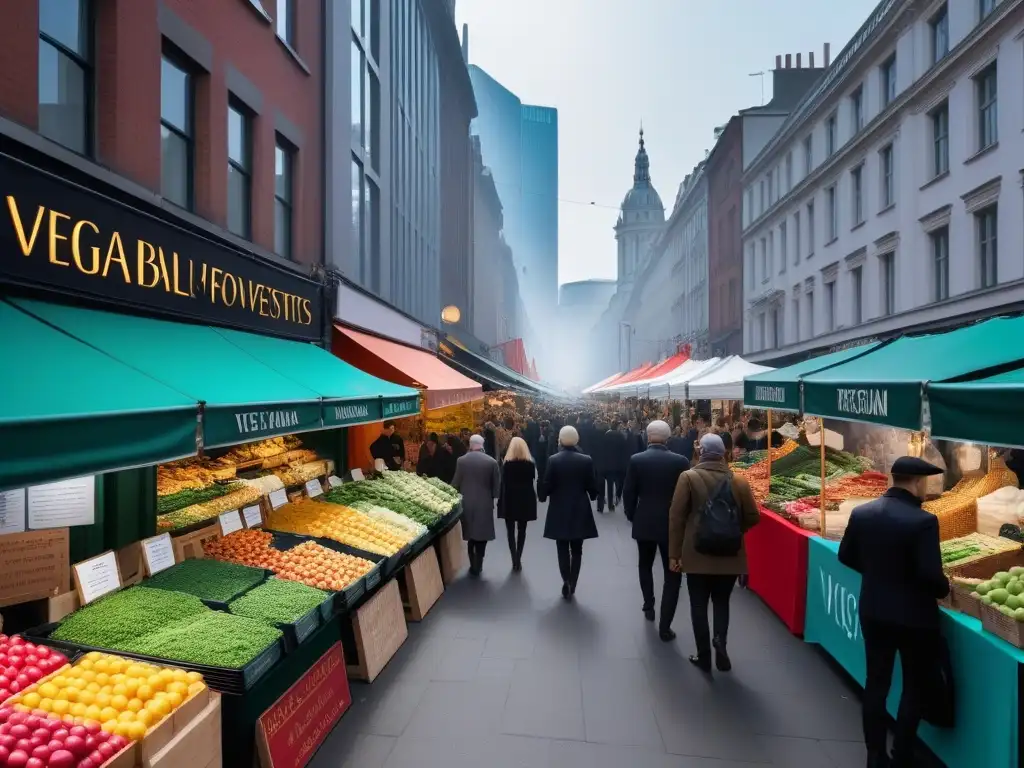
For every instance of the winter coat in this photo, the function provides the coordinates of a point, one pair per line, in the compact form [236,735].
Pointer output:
[615,452]
[570,484]
[478,479]
[518,499]
[692,491]
[647,493]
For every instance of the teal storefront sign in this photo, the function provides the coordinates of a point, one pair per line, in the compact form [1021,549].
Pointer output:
[232,425]
[398,408]
[985,668]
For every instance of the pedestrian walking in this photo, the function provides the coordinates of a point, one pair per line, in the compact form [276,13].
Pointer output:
[517,502]
[428,463]
[570,484]
[711,510]
[650,484]
[615,455]
[894,545]
[478,479]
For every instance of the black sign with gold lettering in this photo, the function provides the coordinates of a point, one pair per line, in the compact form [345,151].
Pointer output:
[59,236]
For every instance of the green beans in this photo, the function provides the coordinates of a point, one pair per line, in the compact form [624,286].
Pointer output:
[120,618]
[278,602]
[208,579]
[214,638]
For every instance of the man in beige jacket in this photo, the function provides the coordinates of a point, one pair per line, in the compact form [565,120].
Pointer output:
[709,576]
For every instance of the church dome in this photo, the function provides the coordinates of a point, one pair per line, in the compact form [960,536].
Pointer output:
[643,197]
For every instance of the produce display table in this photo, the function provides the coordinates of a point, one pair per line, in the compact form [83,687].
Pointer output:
[986,670]
[777,563]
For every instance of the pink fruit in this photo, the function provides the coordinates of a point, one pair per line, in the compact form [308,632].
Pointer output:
[107,750]
[33,672]
[24,745]
[42,651]
[42,733]
[55,744]
[20,731]
[35,762]
[4,754]
[17,759]
[75,745]
[17,640]
[61,734]
[7,741]
[42,752]
[118,742]
[62,759]
[79,730]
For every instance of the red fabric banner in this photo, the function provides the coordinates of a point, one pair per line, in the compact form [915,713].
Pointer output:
[777,563]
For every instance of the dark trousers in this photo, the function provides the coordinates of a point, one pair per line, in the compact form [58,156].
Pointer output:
[476,551]
[570,558]
[516,531]
[917,650]
[647,551]
[609,485]
[703,587]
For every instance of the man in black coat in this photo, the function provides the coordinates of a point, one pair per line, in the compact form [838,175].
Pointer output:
[385,449]
[894,545]
[615,455]
[650,482]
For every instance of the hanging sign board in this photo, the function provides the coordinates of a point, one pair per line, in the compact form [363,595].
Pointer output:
[96,577]
[33,565]
[157,553]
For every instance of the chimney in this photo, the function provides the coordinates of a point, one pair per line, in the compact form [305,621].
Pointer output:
[789,61]
[798,59]
[465,42]
[810,59]
[778,61]
[828,54]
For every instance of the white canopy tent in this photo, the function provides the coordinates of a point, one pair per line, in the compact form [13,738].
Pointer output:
[673,384]
[724,382]
[601,383]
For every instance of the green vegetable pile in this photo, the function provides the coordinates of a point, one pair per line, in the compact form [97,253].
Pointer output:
[167,625]
[277,601]
[186,498]
[383,495]
[797,475]
[116,620]
[208,579]
[213,638]
[1004,592]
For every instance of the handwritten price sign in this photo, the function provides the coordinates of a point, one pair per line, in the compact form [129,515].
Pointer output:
[297,723]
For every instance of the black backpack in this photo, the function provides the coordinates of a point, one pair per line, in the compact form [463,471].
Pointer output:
[719,531]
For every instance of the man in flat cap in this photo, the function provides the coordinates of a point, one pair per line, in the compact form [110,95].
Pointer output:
[894,545]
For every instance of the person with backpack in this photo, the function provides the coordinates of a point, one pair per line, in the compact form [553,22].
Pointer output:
[711,511]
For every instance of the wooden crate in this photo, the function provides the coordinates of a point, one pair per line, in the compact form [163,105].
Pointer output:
[190,546]
[1000,625]
[421,585]
[451,552]
[190,737]
[379,630]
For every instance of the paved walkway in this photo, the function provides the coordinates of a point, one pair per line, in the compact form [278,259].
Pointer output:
[502,673]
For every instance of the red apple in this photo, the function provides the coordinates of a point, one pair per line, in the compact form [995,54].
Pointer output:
[35,762]
[61,734]
[4,754]
[75,745]
[62,759]
[79,730]
[7,741]
[17,759]
[17,640]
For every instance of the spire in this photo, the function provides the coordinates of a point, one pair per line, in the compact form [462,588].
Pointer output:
[642,166]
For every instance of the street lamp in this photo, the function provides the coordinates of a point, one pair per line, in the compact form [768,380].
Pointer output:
[451,314]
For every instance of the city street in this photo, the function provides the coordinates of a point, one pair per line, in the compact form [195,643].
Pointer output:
[503,673]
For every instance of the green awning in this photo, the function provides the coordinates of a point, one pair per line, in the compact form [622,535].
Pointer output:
[886,386]
[350,396]
[780,389]
[243,398]
[68,410]
[989,410]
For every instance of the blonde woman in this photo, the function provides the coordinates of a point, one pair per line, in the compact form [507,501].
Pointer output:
[517,503]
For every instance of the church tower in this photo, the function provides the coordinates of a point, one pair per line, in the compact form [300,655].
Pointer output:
[641,218]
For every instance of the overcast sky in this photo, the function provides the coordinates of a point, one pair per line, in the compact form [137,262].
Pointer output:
[682,66]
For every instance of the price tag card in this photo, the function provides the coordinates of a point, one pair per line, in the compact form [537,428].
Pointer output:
[230,522]
[334,481]
[314,489]
[157,553]
[97,577]
[357,474]
[278,498]
[252,515]
[12,511]
[62,504]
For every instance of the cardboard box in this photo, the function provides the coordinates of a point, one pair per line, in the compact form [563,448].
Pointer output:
[421,584]
[34,565]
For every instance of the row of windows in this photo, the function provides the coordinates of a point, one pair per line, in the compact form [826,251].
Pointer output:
[66,104]
[780,180]
[986,226]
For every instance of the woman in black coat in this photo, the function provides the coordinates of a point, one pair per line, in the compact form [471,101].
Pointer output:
[571,484]
[517,502]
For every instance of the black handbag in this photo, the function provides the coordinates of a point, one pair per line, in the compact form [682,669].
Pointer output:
[938,704]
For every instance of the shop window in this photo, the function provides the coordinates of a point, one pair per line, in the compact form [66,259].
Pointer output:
[888,176]
[987,222]
[940,139]
[887,268]
[940,261]
[239,170]
[988,107]
[888,78]
[857,292]
[938,29]
[284,191]
[65,73]
[831,136]
[176,131]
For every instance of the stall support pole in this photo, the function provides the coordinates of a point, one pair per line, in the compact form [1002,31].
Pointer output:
[769,450]
[821,432]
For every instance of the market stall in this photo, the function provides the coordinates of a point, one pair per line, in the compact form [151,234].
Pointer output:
[672,386]
[723,381]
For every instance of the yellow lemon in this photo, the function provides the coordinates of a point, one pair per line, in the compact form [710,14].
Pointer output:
[131,685]
[61,707]
[134,705]
[196,687]
[69,694]
[32,700]
[166,675]
[79,710]
[119,690]
[110,726]
[120,677]
[156,682]
[108,713]
[144,716]
[177,687]
[93,712]
[175,699]
[193,677]
[46,704]
[49,690]
[102,678]
[101,665]
[126,717]
[144,692]
[159,707]
[136,731]
[119,701]
[94,687]
[124,729]
[103,699]
[116,666]
[88,675]
[87,697]
[91,656]
[180,676]
[87,662]
[59,682]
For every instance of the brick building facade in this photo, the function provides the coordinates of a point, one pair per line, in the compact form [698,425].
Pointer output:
[107,68]
[725,252]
